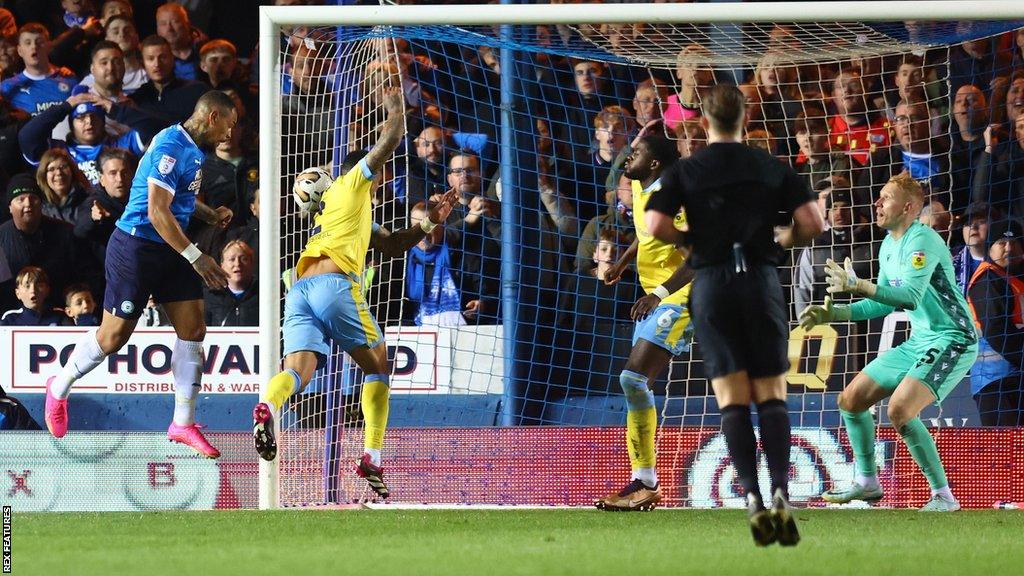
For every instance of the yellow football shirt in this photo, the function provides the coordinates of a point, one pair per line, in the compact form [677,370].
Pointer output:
[342,228]
[656,261]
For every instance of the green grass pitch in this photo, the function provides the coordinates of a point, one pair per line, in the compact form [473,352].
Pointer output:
[485,542]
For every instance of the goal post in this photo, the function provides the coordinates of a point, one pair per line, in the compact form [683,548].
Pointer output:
[472,385]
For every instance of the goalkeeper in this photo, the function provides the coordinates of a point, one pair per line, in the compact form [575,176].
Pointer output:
[326,302]
[916,276]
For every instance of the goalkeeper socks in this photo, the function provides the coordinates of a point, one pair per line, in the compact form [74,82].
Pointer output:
[374,402]
[86,356]
[773,419]
[860,427]
[281,387]
[921,446]
[641,421]
[738,430]
[187,369]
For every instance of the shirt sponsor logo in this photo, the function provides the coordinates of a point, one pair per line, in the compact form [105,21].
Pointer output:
[917,260]
[166,164]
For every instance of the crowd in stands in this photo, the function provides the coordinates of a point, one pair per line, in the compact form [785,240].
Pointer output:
[81,96]
[86,85]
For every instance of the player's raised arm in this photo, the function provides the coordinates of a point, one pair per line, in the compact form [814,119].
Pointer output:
[396,244]
[394,129]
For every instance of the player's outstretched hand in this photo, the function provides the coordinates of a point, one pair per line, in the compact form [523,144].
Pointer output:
[393,100]
[439,213]
[212,274]
[841,278]
[815,315]
[644,306]
[224,215]
[613,274]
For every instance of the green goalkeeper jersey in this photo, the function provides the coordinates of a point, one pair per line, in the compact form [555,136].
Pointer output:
[916,275]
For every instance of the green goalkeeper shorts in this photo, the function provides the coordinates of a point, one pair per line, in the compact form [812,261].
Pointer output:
[940,364]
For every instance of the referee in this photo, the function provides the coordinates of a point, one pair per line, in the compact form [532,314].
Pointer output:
[734,196]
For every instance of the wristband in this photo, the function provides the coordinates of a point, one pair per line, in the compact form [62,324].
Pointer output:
[191,253]
[661,292]
[426,225]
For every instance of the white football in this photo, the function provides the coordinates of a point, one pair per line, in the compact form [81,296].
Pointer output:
[309,188]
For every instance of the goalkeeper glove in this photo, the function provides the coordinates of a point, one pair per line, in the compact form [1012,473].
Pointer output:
[815,315]
[844,279]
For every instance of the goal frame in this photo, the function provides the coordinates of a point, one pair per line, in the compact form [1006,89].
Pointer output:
[272,18]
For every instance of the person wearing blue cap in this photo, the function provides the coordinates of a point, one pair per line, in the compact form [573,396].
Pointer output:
[87,139]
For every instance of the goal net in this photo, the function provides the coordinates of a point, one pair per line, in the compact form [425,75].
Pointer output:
[505,345]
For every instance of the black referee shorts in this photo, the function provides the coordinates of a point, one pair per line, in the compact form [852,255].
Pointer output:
[740,321]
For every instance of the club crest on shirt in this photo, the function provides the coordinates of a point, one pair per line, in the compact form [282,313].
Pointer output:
[917,260]
[166,164]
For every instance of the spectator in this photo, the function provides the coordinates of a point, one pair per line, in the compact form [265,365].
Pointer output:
[648,102]
[853,128]
[935,216]
[32,288]
[844,239]
[446,286]
[996,296]
[8,25]
[75,36]
[999,175]
[32,239]
[79,306]
[10,60]
[11,159]
[691,136]
[121,30]
[308,119]
[612,128]
[974,62]
[966,260]
[970,118]
[815,159]
[916,152]
[41,84]
[693,78]
[164,95]
[64,186]
[618,218]
[106,203]
[250,232]
[172,24]
[238,304]
[218,61]
[115,8]
[86,140]
[227,171]
[427,170]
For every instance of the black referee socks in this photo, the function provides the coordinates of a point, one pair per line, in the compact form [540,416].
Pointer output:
[739,437]
[773,420]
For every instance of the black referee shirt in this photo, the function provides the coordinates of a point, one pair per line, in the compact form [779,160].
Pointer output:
[732,193]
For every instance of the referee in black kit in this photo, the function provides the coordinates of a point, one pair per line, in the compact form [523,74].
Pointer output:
[734,196]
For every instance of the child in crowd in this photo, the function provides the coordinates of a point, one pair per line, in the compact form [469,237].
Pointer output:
[32,287]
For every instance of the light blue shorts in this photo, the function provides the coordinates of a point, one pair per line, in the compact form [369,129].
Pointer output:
[668,326]
[327,307]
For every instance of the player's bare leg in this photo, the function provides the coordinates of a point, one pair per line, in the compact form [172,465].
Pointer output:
[769,394]
[111,335]
[299,368]
[734,394]
[910,397]
[374,403]
[187,317]
[646,362]
[854,402]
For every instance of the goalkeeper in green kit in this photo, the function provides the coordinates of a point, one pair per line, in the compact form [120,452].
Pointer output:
[916,276]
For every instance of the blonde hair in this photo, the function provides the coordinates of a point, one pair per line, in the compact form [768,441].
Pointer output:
[32,274]
[241,245]
[909,187]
